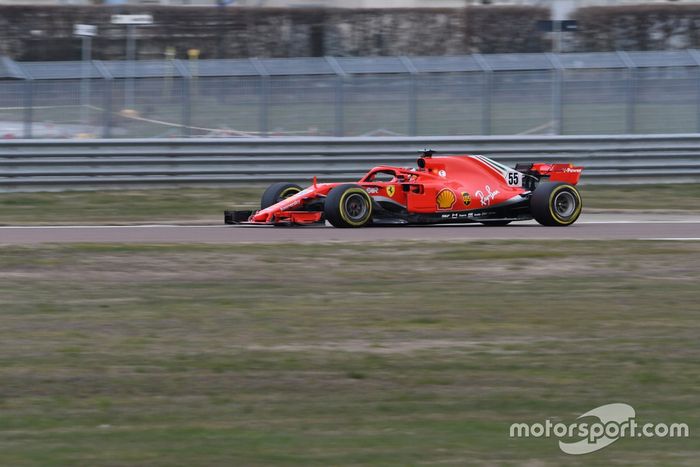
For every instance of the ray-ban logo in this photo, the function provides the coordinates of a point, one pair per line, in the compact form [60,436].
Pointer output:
[598,428]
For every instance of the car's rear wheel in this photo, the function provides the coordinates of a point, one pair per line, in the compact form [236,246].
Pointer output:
[348,206]
[277,192]
[555,204]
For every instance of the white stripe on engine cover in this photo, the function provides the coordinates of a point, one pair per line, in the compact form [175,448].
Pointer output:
[493,165]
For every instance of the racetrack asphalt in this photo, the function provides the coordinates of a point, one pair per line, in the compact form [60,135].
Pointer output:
[589,227]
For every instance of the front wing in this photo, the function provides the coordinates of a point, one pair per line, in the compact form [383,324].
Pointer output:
[279,218]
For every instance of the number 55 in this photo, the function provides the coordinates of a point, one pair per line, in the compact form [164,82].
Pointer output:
[514,179]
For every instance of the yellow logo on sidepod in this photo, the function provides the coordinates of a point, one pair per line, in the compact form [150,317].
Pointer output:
[445,199]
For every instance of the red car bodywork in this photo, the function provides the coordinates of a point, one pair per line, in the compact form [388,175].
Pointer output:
[447,187]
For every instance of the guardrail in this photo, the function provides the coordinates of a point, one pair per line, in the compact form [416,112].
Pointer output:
[36,165]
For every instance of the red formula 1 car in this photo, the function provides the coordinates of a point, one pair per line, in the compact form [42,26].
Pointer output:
[448,189]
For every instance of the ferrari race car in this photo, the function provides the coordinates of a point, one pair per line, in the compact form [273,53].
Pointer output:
[447,189]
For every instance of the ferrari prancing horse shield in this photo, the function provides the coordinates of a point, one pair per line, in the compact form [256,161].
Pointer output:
[390,190]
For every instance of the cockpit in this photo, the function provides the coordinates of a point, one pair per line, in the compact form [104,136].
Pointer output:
[388,176]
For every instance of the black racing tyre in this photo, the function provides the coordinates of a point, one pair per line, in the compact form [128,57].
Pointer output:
[277,192]
[495,223]
[555,204]
[348,206]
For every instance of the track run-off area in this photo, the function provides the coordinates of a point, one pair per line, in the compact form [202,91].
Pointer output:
[589,227]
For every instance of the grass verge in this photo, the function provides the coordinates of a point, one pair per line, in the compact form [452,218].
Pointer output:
[342,354]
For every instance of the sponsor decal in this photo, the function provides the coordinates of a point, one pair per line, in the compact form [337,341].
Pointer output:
[599,428]
[390,190]
[445,199]
[466,199]
[372,190]
[456,215]
[487,197]
[442,173]
[572,170]
[484,214]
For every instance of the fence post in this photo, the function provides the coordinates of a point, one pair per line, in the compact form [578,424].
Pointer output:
[107,104]
[697,99]
[339,104]
[264,93]
[487,90]
[630,92]
[631,100]
[412,96]
[28,104]
[264,105]
[559,102]
[186,105]
[185,92]
[106,97]
[486,105]
[557,78]
[412,106]
[696,60]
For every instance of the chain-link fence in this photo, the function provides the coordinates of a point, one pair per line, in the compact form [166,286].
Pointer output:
[590,93]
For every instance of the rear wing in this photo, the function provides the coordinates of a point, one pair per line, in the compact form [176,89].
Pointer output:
[567,173]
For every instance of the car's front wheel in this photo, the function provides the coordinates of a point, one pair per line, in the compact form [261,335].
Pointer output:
[277,192]
[555,204]
[348,206]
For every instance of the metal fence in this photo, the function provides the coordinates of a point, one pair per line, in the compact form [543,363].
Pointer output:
[499,94]
[36,165]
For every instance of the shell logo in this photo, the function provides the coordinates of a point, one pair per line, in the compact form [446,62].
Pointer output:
[445,199]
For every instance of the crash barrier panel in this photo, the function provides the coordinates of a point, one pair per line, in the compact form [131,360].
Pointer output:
[36,165]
